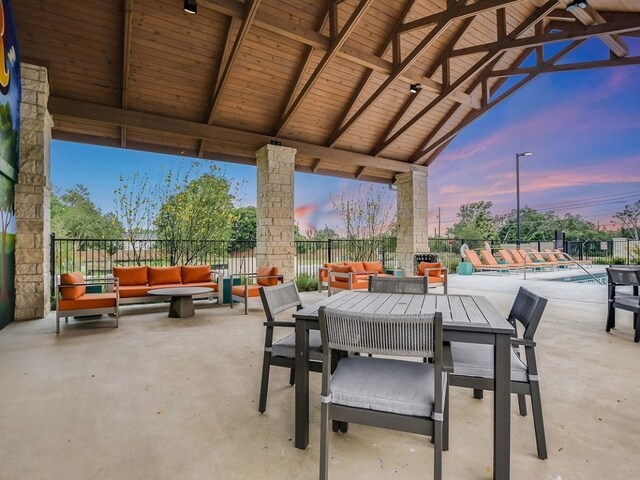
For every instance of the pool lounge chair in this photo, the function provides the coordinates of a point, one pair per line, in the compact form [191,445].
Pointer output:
[562,262]
[491,261]
[478,266]
[566,257]
[521,257]
[537,256]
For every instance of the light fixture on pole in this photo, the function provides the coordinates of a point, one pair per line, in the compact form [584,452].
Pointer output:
[518,155]
[577,4]
[415,88]
[191,6]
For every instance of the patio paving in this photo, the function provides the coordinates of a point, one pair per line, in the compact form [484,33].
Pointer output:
[162,398]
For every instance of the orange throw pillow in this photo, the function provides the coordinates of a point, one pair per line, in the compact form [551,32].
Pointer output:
[358,267]
[164,275]
[267,272]
[343,269]
[196,273]
[72,293]
[373,267]
[432,273]
[130,276]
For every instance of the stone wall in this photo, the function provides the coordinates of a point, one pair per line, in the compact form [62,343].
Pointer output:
[275,219]
[412,217]
[33,197]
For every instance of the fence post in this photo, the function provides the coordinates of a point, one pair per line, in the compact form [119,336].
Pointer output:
[52,263]
[628,253]
[329,259]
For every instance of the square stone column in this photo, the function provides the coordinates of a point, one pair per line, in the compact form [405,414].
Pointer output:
[274,212]
[33,197]
[412,217]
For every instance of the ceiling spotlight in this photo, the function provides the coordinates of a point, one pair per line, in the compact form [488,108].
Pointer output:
[415,88]
[577,4]
[191,6]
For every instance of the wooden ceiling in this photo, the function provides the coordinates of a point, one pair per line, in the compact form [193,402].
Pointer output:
[330,78]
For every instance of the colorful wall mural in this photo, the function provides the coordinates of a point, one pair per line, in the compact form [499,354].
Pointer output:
[9,144]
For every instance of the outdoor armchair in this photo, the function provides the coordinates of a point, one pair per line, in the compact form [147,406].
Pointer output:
[474,367]
[437,274]
[282,353]
[389,393]
[264,277]
[624,277]
[73,300]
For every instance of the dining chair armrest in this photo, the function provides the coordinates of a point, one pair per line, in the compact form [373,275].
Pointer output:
[522,341]
[279,324]
[447,358]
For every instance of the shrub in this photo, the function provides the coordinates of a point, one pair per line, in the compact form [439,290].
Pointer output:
[306,282]
[618,261]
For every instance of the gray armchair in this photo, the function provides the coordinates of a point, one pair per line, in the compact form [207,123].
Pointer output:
[624,277]
[389,393]
[473,363]
[415,285]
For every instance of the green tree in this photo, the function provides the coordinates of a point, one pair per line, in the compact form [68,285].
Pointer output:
[475,222]
[541,225]
[629,216]
[6,217]
[244,226]
[199,211]
[324,233]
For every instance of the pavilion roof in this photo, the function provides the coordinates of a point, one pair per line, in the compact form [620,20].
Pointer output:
[331,79]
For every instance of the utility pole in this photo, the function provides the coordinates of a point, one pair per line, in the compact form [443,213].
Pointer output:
[438,221]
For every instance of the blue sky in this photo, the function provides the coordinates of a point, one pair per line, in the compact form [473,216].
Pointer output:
[583,128]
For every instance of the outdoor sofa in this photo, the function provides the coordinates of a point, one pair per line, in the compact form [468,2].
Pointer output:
[348,275]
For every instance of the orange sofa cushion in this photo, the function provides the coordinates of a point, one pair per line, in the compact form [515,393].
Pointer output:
[129,291]
[432,273]
[252,290]
[208,284]
[373,267]
[72,293]
[431,280]
[342,269]
[357,284]
[358,267]
[89,300]
[267,272]
[196,273]
[164,275]
[131,275]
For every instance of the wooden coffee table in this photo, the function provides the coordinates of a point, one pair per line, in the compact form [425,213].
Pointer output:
[181,305]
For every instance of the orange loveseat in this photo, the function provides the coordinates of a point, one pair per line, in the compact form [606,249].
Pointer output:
[348,275]
[135,282]
[263,277]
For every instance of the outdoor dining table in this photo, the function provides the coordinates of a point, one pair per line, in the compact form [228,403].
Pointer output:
[466,318]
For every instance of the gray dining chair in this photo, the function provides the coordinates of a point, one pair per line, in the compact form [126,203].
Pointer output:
[473,364]
[389,393]
[282,353]
[624,277]
[417,285]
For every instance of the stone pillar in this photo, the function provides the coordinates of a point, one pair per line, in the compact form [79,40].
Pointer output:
[412,217]
[33,197]
[275,220]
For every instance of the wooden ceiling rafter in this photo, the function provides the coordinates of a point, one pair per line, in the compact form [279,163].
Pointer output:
[568,67]
[475,115]
[490,57]
[228,44]
[126,61]
[590,16]
[335,47]
[392,40]
[440,61]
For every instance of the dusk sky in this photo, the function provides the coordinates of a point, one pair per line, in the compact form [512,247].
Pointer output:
[582,127]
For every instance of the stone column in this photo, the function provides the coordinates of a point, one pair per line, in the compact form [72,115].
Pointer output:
[412,217]
[275,220]
[33,197]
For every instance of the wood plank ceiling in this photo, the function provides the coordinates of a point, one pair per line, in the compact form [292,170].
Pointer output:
[329,78]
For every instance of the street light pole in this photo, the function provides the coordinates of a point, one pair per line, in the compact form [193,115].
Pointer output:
[518,155]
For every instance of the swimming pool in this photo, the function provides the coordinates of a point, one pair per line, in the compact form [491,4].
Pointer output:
[583,278]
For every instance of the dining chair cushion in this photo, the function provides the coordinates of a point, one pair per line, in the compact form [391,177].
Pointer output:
[628,300]
[286,347]
[385,385]
[476,360]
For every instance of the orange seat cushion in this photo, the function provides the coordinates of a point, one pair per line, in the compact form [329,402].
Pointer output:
[432,273]
[342,269]
[358,267]
[373,267]
[356,285]
[196,273]
[267,272]
[88,301]
[431,280]
[72,293]
[131,275]
[129,291]
[164,275]
[252,290]
[208,284]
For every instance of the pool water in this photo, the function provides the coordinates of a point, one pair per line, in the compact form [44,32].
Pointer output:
[602,277]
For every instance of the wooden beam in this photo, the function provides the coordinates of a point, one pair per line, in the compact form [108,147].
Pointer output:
[293,31]
[360,172]
[590,16]
[339,41]
[390,41]
[106,115]
[126,55]
[464,12]
[567,67]
[316,166]
[579,33]
[228,43]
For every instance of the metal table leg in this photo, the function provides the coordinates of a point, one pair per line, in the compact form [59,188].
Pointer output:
[302,385]
[502,408]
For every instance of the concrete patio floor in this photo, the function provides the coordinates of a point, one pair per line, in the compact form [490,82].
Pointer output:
[161,398]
